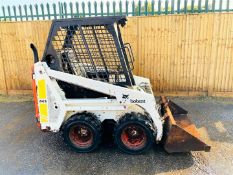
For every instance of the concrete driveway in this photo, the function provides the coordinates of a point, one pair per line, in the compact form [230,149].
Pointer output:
[26,150]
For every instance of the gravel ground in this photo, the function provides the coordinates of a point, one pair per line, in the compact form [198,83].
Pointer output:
[26,150]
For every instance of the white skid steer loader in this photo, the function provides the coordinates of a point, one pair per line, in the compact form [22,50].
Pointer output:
[84,84]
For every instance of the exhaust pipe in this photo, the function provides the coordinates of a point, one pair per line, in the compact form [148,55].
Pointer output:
[35,52]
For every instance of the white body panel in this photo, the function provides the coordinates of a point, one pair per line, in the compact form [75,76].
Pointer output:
[59,109]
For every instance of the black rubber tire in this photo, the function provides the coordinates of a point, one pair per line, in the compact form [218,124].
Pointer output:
[134,118]
[90,121]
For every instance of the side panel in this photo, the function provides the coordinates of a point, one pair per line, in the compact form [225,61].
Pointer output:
[48,99]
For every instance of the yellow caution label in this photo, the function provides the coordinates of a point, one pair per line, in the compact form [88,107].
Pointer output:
[42,89]
[42,97]
[43,108]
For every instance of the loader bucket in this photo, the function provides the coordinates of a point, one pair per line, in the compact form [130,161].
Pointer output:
[180,134]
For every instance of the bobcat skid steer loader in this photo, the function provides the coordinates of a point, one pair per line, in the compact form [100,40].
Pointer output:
[84,83]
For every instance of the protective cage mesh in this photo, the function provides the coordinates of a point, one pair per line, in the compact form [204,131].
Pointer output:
[89,51]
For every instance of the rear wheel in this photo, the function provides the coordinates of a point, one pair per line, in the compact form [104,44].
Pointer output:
[82,132]
[133,133]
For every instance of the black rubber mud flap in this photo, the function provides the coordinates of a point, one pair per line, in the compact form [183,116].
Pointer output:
[180,134]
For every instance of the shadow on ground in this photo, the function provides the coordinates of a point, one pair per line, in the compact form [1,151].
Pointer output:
[109,160]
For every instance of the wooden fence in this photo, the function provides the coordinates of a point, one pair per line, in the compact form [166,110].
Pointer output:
[181,54]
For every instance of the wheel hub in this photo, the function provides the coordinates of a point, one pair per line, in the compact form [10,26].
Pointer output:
[134,132]
[83,131]
[81,136]
[133,136]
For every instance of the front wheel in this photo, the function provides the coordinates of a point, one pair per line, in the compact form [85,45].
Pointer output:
[82,132]
[133,134]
